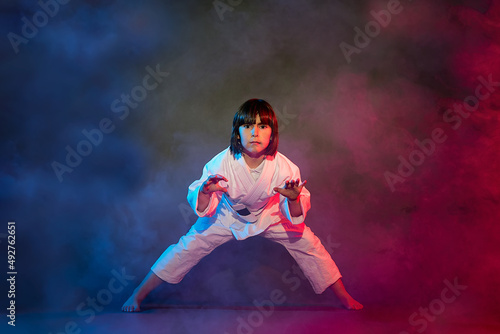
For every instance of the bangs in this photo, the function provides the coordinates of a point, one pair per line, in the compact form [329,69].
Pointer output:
[248,114]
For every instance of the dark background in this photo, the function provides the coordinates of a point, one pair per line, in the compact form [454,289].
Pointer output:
[343,123]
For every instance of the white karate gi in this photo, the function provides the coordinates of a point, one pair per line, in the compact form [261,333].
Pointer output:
[250,207]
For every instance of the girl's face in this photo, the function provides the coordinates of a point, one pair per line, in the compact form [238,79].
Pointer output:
[255,138]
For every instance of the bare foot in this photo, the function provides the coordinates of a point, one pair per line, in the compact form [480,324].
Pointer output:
[345,298]
[148,284]
[132,304]
[350,303]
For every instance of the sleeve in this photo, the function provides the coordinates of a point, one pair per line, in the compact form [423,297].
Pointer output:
[211,168]
[304,197]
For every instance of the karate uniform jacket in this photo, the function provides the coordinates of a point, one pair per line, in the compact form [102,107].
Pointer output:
[249,206]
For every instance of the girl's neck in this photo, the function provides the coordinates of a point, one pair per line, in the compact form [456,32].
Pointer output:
[253,162]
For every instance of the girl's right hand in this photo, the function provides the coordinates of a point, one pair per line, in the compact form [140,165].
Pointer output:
[212,184]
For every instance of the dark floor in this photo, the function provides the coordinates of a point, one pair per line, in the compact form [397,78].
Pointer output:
[292,320]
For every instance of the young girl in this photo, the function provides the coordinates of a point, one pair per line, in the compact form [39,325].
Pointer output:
[246,190]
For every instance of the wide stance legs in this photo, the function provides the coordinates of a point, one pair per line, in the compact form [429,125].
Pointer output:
[205,236]
[151,281]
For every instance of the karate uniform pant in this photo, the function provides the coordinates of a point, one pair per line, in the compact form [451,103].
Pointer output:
[203,237]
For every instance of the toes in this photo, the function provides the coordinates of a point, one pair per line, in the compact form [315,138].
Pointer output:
[130,308]
[357,306]
[127,308]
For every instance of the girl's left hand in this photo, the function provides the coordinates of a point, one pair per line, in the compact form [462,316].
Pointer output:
[292,189]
